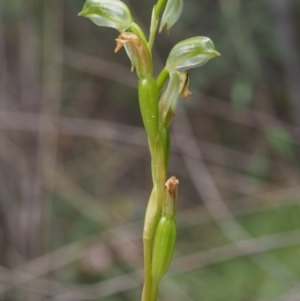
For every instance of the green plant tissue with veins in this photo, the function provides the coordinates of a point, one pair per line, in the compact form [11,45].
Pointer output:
[157,108]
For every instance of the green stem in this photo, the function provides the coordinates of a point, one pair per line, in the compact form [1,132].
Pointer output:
[153,211]
[151,219]
[161,79]
[166,141]
[153,27]
[147,269]
[158,144]
[149,225]
[157,9]
[154,291]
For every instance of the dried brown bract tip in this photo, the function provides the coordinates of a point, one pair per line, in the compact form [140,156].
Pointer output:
[185,86]
[171,185]
[127,37]
[137,51]
[185,94]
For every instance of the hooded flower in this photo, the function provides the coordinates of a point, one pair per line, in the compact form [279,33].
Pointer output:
[187,54]
[191,53]
[108,13]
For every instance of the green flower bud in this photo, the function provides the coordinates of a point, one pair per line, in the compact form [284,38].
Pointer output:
[171,14]
[165,236]
[164,242]
[108,13]
[191,53]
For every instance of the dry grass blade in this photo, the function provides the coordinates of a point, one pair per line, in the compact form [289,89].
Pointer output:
[205,186]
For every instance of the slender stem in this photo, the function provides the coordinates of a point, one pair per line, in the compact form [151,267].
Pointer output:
[165,134]
[161,79]
[154,291]
[158,166]
[153,211]
[151,220]
[147,240]
[147,269]
[153,27]
[157,9]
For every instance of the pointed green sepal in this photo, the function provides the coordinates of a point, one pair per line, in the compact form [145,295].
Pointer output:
[191,53]
[108,13]
[177,85]
[171,14]
[168,100]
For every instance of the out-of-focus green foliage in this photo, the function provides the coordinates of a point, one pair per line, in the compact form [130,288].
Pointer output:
[281,141]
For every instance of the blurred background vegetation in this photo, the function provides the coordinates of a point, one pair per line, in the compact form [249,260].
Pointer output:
[75,177]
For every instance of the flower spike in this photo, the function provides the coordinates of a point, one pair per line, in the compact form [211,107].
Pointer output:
[191,53]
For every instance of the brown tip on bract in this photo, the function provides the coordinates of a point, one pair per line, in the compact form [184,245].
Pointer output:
[171,185]
[185,92]
[185,95]
[80,14]
[119,45]
[218,53]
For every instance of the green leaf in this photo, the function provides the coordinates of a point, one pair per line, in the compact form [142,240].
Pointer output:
[191,53]
[108,13]
[171,14]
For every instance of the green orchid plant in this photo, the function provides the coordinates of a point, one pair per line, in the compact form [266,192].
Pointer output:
[157,109]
